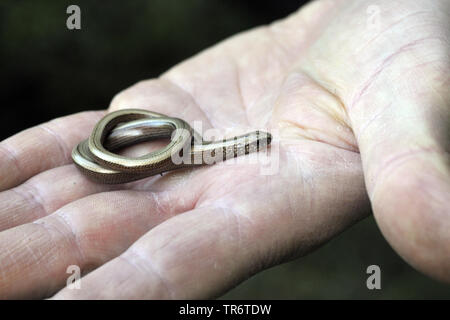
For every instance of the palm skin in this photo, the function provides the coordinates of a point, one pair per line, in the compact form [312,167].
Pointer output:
[355,106]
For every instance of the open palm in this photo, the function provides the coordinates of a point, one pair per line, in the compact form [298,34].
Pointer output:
[333,86]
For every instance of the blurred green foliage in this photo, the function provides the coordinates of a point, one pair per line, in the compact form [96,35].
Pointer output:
[49,71]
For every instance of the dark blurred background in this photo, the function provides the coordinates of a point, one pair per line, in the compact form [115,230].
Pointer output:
[48,71]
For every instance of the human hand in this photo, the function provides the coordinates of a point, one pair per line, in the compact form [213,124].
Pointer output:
[328,83]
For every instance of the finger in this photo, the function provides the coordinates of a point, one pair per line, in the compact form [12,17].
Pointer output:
[43,147]
[408,180]
[206,251]
[393,79]
[50,190]
[34,257]
[45,193]
[403,142]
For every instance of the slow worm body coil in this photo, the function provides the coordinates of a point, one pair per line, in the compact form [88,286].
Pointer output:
[95,157]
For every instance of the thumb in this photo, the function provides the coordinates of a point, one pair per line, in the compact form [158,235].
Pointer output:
[401,120]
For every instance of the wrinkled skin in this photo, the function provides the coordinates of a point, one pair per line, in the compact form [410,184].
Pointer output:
[358,93]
